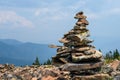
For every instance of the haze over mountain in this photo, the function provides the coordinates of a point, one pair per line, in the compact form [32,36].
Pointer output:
[20,53]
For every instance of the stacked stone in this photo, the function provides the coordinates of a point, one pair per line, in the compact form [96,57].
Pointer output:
[77,54]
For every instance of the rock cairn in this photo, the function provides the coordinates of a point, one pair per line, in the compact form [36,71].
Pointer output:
[77,55]
[76,60]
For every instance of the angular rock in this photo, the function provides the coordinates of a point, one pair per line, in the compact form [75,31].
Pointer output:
[89,55]
[49,78]
[82,21]
[92,77]
[63,60]
[79,15]
[82,66]
[34,78]
[82,49]
[63,40]
[115,64]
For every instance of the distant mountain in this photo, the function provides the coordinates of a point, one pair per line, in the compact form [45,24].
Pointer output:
[11,41]
[19,53]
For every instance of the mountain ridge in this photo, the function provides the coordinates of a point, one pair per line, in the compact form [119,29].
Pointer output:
[22,53]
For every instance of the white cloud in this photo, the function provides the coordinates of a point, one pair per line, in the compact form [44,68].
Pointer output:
[92,15]
[51,13]
[16,20]
[57,10]
[78,5]
[102,14]
[42,11]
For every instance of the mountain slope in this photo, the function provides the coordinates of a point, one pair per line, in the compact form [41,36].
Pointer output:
[11,41]
[24,53]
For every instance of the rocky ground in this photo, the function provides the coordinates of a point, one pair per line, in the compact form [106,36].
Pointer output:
[50,72]
[46,72]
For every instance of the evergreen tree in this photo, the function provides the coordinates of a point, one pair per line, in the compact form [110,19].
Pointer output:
[36,62]
[107,56]
[116,54]
[48,62]
[110,56]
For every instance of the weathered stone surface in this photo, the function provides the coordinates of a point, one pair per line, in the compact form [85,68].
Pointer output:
[82,21]
[34,78]
[112,68]
[82,49]
[50,72]
[65,54]
[80,15]
[49,78]
[63,60]
[106,69]
[44,72]
[87,55]
[75,43]
[62,51]
[92,77]
[76,27]
[92,51]
[115,73]
[82,66]
[115,64]
[117,77]
[63,40]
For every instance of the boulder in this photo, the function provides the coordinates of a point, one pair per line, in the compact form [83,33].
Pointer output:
[115,65]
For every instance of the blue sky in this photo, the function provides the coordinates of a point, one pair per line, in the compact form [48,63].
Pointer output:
[45,21]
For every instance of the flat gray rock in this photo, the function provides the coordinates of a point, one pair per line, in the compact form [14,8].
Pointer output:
[92,77]
[83,66]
